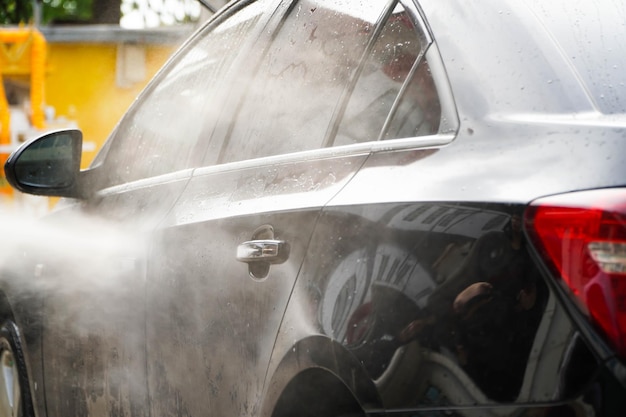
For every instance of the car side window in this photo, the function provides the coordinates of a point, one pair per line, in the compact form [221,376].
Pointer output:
[169,128]
[290,102]
[417,111]
[394,96]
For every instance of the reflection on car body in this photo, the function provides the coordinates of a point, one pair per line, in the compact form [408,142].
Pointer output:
[339,208]
[381,298]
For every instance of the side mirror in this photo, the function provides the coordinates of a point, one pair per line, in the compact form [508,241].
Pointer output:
[48,165]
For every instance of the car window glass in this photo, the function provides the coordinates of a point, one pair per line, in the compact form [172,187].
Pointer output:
[161,134]
[418,110]
[391,72]
[291,99]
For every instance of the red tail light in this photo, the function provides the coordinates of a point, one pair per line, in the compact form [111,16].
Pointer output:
[582,237]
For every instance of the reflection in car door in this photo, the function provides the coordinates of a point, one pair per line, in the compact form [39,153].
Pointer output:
[437,303]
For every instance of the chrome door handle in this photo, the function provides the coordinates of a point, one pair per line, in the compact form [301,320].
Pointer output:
[262,251]
[269,251]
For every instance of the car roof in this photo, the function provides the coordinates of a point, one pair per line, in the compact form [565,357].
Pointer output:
[532,57]
[592,38]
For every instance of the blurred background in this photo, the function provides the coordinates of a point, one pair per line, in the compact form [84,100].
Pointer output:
[80,64]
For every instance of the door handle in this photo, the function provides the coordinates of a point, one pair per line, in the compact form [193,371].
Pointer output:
[267,250]
[262,251]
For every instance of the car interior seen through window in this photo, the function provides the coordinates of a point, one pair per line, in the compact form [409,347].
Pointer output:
[391,63]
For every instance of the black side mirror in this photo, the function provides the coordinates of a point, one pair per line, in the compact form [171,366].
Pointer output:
[48,165]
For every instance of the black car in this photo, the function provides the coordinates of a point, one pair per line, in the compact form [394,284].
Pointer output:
[339,208]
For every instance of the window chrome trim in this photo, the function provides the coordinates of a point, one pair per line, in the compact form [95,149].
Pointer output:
[363,149]
[358,149]
[418,18]
[449,124]
[148,182]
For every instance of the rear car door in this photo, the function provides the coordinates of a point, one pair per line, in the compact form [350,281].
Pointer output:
[216,291]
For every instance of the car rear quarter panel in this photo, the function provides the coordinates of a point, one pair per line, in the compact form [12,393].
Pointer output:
[379,284]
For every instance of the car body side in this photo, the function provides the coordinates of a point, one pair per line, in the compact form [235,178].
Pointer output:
[375,230]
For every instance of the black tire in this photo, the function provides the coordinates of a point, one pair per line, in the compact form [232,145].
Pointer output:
[15,398]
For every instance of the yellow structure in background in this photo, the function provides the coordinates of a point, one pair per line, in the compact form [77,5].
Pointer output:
[76,76]
[97,71]
[22,53]
[23,61]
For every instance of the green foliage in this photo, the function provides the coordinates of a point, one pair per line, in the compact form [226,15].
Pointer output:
[151,13]
[66,10]
[15,11]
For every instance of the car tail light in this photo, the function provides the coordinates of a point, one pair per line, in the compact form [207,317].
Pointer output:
[582,237]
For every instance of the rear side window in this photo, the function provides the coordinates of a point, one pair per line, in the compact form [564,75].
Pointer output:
[336,73]
[395,92]
[290,101]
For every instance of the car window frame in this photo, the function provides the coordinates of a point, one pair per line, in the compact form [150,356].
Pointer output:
[449,123]
[449,120]
[424,39]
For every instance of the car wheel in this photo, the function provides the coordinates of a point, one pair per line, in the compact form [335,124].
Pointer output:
[12,372]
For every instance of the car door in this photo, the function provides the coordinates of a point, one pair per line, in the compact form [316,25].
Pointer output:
[94,313]
[227,255]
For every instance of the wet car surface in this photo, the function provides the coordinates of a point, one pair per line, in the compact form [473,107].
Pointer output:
[340,208]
